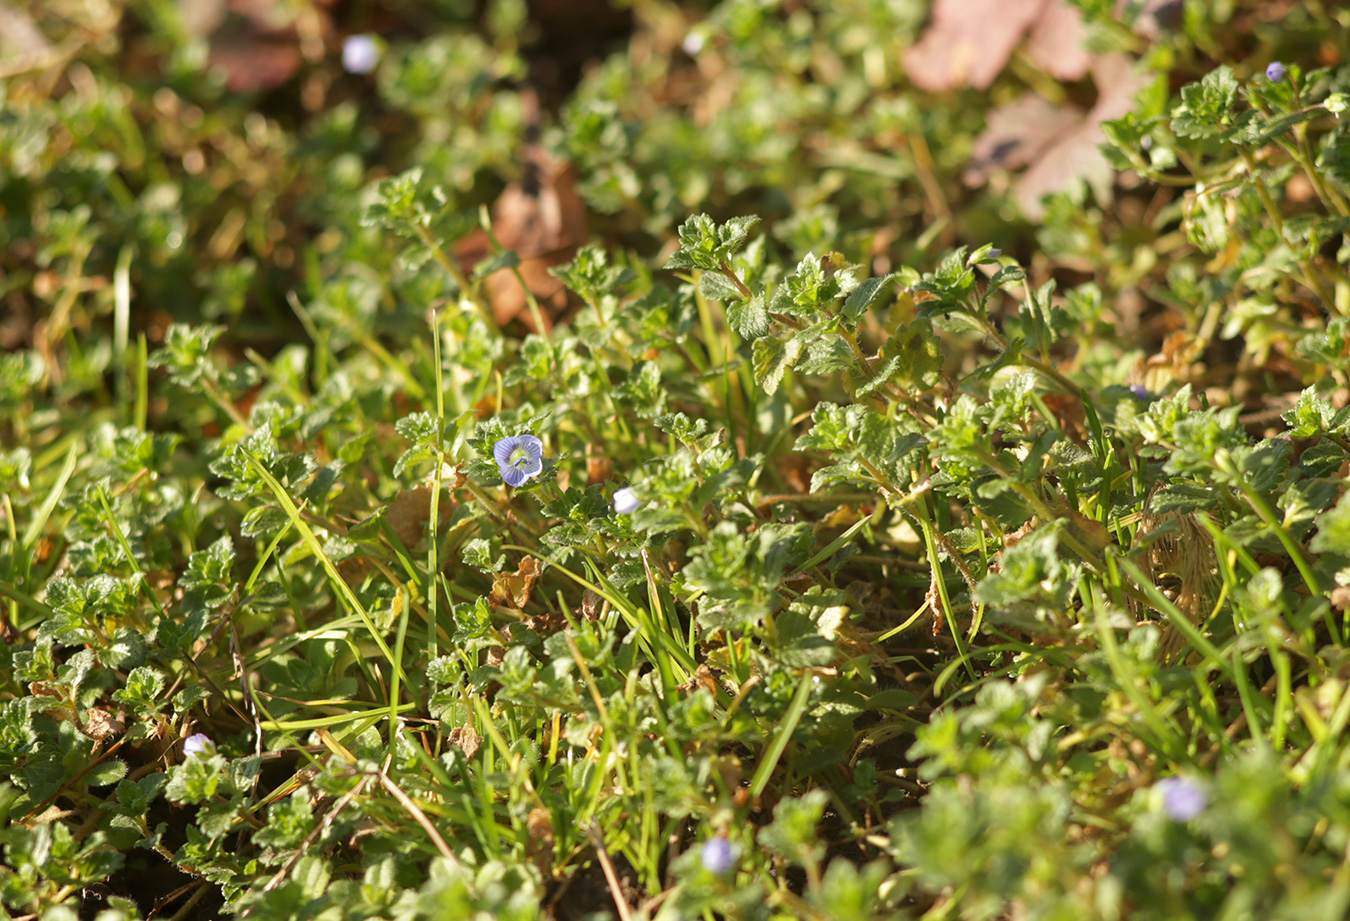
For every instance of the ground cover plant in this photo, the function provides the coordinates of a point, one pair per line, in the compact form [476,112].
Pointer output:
[745,460]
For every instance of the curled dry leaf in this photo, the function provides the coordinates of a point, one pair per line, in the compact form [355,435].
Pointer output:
[258,45]
[598,465]
[514,588]
[543,220]
[22,43]
[100,724]
[410,511]
[466,739]
[702,677]
[1057,40]
[591,605]
[1058,144]
[545,624]
[968,42]
[539,824]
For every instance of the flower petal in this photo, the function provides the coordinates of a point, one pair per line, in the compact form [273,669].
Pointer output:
[513,476]
[625,503]
[502,450]
[533,446]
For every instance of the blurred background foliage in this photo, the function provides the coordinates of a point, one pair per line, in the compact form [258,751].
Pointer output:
[321,182]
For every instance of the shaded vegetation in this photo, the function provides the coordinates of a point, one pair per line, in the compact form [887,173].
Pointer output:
[926,428]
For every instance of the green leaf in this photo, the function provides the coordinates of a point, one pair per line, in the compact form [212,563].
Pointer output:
[1333,529]
[707,245]
[891,699]
[715,286]
[865,296]
[105,773]
[1262,131]
[792,834]
[774,357]
[911,357]
[1208,108]
[749,318]
[590,275]
[643,391]
[502,259]
[185,354]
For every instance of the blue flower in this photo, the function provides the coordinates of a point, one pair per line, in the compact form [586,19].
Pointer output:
[719,856]
[1276,72]
[520,458]
[1182,799]
[360,54]
[198,743]
[625,503]
[1140,391]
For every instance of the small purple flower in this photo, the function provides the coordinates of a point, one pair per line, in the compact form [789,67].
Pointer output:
[1140,391]
[625,503]
[719,856]
[199,743]
[360,54]
[1182,799]
[520,458]
[1276,72]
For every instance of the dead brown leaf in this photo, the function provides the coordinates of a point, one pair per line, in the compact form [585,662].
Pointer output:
[514,587]
[22,43]
[539,824]
[968,42]
[1057,41]
[252,63]
[1015,134]
[598,466]
[1151,18]
[591,605]
[543,220]
[259,45]
[99,724]
[545,624]
[466,739]
[410,511]
[1059,142]
[702,677]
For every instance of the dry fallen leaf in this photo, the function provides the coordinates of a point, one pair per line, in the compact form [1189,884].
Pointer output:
[1015,134]
[410,511]
[100,724]
[968,42]
[22,43]
[1151,18]
[1056,42]
[466,738]
[543,220]
[514,587]
[539,824]
[258,45]
[252,64]
[1059,142]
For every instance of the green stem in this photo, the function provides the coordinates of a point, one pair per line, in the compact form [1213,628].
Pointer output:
[458,277]
[1263,192]
[1223,462]
[1303,154]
